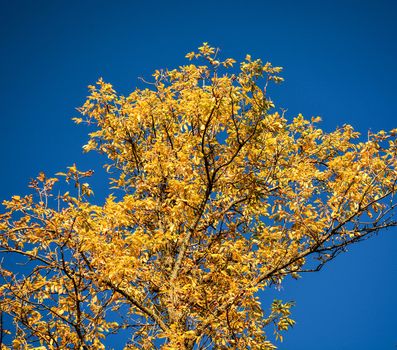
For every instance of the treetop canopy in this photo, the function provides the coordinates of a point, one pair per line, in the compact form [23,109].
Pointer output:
[217,196]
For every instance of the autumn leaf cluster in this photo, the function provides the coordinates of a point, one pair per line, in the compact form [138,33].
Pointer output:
[216,196]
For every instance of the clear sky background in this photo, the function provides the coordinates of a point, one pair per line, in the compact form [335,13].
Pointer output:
[340,63]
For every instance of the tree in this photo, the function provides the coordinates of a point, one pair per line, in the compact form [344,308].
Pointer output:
[216,196]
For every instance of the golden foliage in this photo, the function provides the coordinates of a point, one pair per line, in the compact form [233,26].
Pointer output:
[217,196]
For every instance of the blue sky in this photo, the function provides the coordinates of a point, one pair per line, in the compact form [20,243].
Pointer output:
[340,63]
